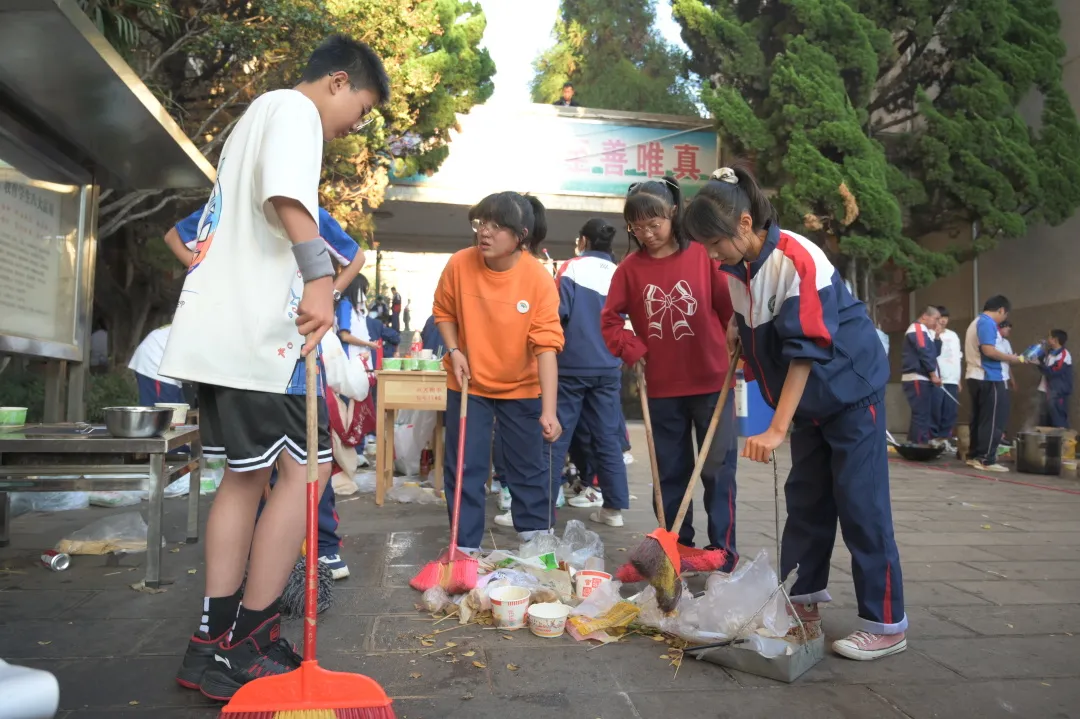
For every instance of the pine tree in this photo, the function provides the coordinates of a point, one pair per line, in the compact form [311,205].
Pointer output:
[615,58]
[914,114]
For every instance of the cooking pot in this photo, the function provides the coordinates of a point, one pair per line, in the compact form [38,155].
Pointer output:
[1038,453]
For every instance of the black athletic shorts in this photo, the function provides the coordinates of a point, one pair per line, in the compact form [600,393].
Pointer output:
[250,429]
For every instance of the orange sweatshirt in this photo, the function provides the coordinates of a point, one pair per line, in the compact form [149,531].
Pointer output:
[504,320]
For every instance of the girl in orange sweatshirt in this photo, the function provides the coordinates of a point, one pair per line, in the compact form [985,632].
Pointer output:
[498,313]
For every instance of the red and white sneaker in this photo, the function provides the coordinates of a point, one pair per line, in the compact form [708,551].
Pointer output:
[864,646]
[808,612]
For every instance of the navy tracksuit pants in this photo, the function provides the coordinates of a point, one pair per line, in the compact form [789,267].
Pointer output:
[676,421]
[920,397]
[840,471]
[595,403]
[152,391]
[524,454]
[945,410]
[1054,410]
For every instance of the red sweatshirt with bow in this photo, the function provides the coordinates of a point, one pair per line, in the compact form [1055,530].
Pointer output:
[679,307]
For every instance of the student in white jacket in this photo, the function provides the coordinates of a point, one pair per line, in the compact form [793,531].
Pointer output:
[947,396]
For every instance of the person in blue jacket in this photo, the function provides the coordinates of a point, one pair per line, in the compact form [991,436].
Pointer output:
[590,377]
[347,254]
[1057,381]
[820,365]
[919,357]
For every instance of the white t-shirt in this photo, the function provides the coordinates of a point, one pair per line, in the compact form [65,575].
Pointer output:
[950,358]
[235,321]
[147,358]
[1004,345]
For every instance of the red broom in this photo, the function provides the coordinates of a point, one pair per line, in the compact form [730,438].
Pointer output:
[310,692]
[657,557]
[454,570]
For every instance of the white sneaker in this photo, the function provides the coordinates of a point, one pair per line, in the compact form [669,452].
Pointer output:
[627,458]
[504,520]
[610,517]
[995,467]
[589,499]
[504,499]
[864,646]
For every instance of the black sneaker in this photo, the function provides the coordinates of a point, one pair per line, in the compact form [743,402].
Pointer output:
[197,659]
[264,653]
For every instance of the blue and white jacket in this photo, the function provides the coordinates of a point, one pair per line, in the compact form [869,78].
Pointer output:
[790,303]
[919,355]
[1057,374]
[583,284]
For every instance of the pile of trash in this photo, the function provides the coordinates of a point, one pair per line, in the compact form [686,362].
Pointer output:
[747,607]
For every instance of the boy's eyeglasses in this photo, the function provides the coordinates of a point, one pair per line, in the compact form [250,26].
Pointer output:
[478,225]
[364,122]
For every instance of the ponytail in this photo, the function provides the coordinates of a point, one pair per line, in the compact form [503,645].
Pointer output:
[599,235]
[717,208]
[539,228]
[522,214]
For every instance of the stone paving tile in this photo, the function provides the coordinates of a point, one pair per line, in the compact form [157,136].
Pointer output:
[1006,657]
[41,603]
[940,571]
[93,684]
[922,623]
[1030,554]
[797,702]
[1035,525]
[987,700]
[1035,570]
[984,539]
[1023,592]
[352,600]
[538,704]
[954,553]
[910,667]
[52,639]
[974,524]
[1015,620]
[937,594]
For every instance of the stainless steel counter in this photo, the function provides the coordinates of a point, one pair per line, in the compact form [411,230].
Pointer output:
[79,458]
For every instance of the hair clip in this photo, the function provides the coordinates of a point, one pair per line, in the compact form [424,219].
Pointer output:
[633,186]
[725,174]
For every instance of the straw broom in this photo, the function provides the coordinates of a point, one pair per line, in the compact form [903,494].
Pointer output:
[657,557]
[310,692]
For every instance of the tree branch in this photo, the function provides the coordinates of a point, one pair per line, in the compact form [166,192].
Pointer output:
[228,103]
[172,50]
[899,121]
[122,219]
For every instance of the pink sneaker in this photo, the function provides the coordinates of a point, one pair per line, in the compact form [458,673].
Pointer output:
[864,646]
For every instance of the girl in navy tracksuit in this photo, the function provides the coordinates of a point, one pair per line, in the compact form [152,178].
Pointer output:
[678,305]
[820,365]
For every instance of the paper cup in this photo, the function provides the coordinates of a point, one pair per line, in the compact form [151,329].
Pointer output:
[426,354]
[548,619]
[508,606]
[587,580]
[410,363]
[431,365]
[12,416]
[391,363]
[179,412]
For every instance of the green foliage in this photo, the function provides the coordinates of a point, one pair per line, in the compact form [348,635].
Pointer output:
[26,388]
[932,114]
[609,50]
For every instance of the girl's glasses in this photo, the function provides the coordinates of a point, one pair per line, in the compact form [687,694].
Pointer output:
[478,225]
[650,229]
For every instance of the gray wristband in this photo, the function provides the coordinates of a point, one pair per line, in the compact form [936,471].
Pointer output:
[313,260]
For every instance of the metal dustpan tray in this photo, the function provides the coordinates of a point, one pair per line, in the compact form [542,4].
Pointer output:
[785,668]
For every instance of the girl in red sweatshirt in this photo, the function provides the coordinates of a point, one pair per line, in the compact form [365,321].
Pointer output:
[679,307]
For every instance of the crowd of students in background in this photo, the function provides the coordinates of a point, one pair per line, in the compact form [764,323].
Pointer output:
[930,366]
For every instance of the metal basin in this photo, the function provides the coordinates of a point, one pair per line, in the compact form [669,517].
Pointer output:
[1038,453]
[137,422]
[919,452]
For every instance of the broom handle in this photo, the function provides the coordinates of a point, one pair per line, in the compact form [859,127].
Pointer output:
[456,516]
[706,445]
[658,496]
[311,572]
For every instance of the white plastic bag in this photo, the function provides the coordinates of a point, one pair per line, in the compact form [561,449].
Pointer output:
[119,533]
[414,430]
[600,600]
[578,544]
[365,482]
[117,499]
[346,375]
[23,502]
[731,600]
[209,483]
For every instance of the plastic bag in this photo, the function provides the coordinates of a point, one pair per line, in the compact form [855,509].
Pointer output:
[436,599]
[23,502]
[539,545]
[602,599]
[731,601]
[208,484]
[412,493]
[412,432]
[117,499]
[365,482]
[578,544]
[120,533]
[346,376]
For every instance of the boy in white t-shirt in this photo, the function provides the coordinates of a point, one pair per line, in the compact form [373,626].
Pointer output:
[259,295]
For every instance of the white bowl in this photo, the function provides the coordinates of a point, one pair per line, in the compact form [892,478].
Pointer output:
[548,619]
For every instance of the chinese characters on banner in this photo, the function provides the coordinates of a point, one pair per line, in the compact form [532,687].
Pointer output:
[31,269]
[611,157]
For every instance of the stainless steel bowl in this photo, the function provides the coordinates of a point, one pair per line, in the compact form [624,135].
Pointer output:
[137,422]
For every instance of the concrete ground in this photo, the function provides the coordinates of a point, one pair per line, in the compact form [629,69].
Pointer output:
[991,568]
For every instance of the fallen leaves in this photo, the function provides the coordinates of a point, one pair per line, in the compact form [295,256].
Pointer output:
[192,571]
[427,642]
[415,675]
[451,645]
[507,637]
[986,526]
[45,644]
[469,653]
[513,667]
[479,665]
[175,550]
[133,703]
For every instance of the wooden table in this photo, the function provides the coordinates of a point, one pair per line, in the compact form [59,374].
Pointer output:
[68,458]
[406,389]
